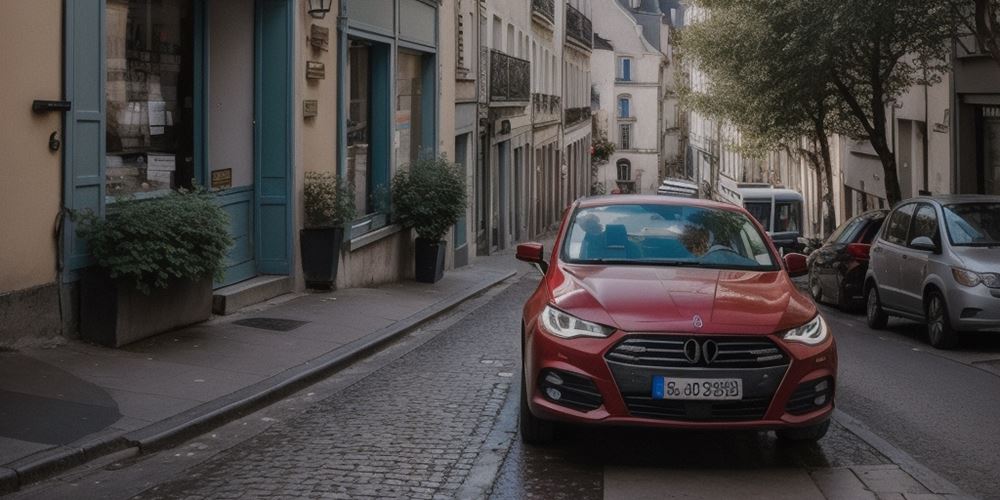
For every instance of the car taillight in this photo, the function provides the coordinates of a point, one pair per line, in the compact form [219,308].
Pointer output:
[859,251]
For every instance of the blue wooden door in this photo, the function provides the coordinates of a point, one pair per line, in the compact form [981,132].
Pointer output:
[273,136]
[83,156]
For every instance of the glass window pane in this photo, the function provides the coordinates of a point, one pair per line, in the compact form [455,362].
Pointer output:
[409,94]
[898,225]
[924,224]
[149,94]
[359,125]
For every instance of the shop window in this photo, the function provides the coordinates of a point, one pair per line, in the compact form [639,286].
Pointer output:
[409,109]
[149,93]
[359,118]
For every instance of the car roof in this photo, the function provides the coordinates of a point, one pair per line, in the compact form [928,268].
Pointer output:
[644,199]
[766,193]
[946,199]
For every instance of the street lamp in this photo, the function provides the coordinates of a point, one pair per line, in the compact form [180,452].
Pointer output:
[319,8]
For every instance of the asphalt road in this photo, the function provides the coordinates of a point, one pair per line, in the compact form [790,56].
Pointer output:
[434,416]
[941,407]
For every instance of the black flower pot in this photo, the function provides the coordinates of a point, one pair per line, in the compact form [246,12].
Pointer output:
[320,250]
[430,260]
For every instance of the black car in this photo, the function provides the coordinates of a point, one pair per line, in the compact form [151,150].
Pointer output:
[837,269]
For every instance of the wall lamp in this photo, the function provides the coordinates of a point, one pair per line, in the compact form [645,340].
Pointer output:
[319,8]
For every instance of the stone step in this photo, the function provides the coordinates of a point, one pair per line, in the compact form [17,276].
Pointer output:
[232,298]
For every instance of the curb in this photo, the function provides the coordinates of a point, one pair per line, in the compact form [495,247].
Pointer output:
[197,420]
[930,479]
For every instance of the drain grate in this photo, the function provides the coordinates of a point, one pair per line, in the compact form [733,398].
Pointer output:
[273,324]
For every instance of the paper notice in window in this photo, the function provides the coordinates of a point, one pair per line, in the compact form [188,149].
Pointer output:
[157,117]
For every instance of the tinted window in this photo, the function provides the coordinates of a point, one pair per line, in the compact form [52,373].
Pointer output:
[845,233]
[666,235]
[760,211]
[973,224]
[924,223]
[786,217]
[899,223]
[871,229]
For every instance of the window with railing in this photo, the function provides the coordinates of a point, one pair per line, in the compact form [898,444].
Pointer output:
[625,136]
[510,78]
[579,27]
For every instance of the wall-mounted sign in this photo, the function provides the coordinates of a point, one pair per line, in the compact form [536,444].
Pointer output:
[310,108]
[222,179]
[315,70]
[319,37]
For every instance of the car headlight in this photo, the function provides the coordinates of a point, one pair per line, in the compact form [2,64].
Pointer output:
[811,333]
[968,278]
[563,325]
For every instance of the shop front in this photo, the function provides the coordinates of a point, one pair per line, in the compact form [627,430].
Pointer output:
[177,94]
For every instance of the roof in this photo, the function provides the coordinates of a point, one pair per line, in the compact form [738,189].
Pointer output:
[602,43]
[957,198]
[765,193]
[648,199]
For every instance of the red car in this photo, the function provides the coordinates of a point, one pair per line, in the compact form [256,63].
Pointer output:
[671,312]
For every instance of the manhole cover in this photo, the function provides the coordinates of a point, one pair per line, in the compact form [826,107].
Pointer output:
[274,324]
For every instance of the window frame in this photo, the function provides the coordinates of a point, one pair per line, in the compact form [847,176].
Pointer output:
[624,61]
[621,136]
[887,226]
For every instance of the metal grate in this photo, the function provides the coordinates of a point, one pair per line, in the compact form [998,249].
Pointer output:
[663,351]
[273,324]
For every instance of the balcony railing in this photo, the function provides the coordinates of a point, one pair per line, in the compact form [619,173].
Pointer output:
[579,28]
[544,8]
[577,115]
[510,78]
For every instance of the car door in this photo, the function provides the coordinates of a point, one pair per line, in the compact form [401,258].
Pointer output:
[913,263]
[831,257]
[886,256]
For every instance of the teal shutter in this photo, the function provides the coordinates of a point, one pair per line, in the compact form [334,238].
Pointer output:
[274,135]
[83,156]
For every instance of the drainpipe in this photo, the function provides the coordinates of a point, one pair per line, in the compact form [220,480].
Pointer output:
[342,53]
[927,131]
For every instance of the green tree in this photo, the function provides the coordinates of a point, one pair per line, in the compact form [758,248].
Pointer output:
[769,78]
[842,64]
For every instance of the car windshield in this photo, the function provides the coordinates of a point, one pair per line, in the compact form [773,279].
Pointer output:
[666,235]
[973,224]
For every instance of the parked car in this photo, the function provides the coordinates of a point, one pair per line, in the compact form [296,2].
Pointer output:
[837,269]
[936,260]
[679,188]
[671,312]
[778,210]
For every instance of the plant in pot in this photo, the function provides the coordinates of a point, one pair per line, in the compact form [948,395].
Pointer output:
[429,198]
[155,262]
[329,204]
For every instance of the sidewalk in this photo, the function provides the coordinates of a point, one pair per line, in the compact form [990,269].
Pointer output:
[66,405]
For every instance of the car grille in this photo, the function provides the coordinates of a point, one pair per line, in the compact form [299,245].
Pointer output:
[701,411]
[663,351]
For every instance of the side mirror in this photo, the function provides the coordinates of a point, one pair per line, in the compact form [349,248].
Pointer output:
[795,264]
[532,253]
[923,243]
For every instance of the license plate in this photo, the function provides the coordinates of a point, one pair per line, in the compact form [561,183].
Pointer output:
[697,389]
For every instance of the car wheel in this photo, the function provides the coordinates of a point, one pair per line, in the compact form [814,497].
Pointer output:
[877,318]
[939,330]
[809,434]
[533,429]
[815,289]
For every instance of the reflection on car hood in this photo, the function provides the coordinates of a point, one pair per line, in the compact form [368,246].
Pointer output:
[666,299]
[978,259]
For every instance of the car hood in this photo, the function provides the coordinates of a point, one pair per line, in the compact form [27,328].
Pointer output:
[667,299]
[978,259]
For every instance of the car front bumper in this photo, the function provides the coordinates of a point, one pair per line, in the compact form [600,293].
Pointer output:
[974,309]
[625,390]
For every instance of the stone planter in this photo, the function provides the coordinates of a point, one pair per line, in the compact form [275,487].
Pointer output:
[113,313]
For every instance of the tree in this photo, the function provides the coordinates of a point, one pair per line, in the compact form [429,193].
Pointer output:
[982,19]
[851,58]
[770,78]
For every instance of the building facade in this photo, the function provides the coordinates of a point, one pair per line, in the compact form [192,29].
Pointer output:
[240,96]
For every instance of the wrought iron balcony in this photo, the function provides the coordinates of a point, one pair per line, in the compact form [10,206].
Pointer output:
[546,108]
[544,8]
[579,28]
[510,78]
[577,115]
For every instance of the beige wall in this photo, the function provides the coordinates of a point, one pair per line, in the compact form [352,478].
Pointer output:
[30,174]
[315,146]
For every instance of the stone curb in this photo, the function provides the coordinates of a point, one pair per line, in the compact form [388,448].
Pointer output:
[197,420]
[930,479]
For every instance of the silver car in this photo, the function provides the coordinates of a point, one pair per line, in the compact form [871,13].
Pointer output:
[937,259]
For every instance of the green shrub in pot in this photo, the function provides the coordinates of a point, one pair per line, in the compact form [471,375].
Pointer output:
[329,206]
[150,242]
[429,197]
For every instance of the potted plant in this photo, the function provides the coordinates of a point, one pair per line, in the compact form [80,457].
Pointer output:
[429,198]
[155,262]
[329,204]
